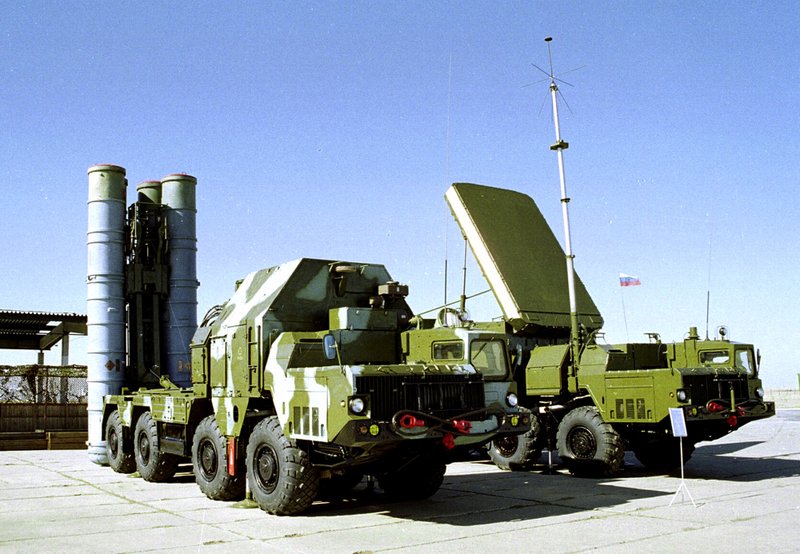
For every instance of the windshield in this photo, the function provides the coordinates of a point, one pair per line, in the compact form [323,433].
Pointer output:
[715,357]
[450,350]
[488,356]
[746,361]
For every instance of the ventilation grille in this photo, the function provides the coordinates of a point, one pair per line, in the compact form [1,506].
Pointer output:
[440,395]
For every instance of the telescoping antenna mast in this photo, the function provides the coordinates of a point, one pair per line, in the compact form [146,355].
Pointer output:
[559,147]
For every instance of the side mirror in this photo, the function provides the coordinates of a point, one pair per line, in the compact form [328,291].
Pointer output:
[330,346]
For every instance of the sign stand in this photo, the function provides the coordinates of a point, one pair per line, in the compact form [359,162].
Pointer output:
[678,423]
[548,441]
[549,470]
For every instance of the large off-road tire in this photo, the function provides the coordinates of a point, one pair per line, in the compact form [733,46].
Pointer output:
[662,456]
[210,463]
[281,477]
[518,452]
[152,464]
[119,446]
[418,479]
[587,445]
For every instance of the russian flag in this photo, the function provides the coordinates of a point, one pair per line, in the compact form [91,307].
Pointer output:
[628,280]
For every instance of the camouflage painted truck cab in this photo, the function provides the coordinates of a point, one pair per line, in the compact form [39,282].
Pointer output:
[306,380]
[450,339]
[593,400]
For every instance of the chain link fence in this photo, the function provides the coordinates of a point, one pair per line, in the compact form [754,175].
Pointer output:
[43,384]
[39,398]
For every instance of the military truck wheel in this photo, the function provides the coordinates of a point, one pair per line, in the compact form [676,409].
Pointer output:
[119,447]
[587,445]
[417,480]
[152,464]
[210,463]
[281,477]
[664,455]
[518,452]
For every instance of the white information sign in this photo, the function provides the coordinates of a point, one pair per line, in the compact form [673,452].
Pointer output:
[678,422]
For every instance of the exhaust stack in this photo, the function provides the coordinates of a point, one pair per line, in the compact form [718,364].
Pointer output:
[105,297]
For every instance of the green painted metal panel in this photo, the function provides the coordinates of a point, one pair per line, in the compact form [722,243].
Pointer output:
[520,258]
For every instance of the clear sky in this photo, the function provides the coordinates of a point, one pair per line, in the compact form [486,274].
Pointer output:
[333,129]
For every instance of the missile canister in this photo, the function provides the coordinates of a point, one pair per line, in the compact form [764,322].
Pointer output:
[105,299]
[180,313]
[149,191]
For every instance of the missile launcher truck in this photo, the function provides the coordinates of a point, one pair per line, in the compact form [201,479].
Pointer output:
[310,377]
[592,400]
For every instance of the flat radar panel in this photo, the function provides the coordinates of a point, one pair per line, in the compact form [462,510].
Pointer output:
[520,258]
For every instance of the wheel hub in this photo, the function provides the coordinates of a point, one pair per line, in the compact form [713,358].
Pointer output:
[144,448]
[208,459]
[582,443]
[266,469]
[507,446]
[113,442]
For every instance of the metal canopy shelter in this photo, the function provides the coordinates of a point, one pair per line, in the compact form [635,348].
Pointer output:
[38,330]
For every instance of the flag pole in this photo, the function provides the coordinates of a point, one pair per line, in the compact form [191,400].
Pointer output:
[624,313]
[625,281]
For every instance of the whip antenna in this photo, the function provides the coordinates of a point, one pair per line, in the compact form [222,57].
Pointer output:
[559,147]
[447,160]
[462,306]
[708,287]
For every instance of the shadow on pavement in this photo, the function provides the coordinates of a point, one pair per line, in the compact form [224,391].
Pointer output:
[717,461]
[502,496]
[485,498]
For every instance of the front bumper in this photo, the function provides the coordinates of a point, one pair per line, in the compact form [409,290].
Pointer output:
[717,418]
[405,425]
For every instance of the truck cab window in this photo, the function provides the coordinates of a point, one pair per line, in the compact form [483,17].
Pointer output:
[488,357]
[715,357]
[745,361]
[451,350]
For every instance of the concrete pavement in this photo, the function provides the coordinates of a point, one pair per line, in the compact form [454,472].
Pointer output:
[746,487]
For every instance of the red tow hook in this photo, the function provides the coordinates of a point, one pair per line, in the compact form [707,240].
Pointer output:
[714,406]
[408,421]
[463,425]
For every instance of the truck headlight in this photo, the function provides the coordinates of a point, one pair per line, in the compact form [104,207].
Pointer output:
[760,392]
[357,405]
[682,395]
[512,400]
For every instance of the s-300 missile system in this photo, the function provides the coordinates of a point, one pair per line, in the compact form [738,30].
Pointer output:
[591,400]
[310,377]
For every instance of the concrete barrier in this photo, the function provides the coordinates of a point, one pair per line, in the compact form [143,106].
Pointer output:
[784,398]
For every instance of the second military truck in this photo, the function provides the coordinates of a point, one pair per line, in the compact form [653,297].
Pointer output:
[590,400]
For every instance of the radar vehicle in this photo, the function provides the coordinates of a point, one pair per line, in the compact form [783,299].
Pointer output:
[590,400]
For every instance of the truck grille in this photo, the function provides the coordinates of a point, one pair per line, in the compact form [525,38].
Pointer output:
[440,395]
[703,388]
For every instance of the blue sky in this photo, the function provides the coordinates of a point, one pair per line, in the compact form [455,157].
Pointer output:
[333,130]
